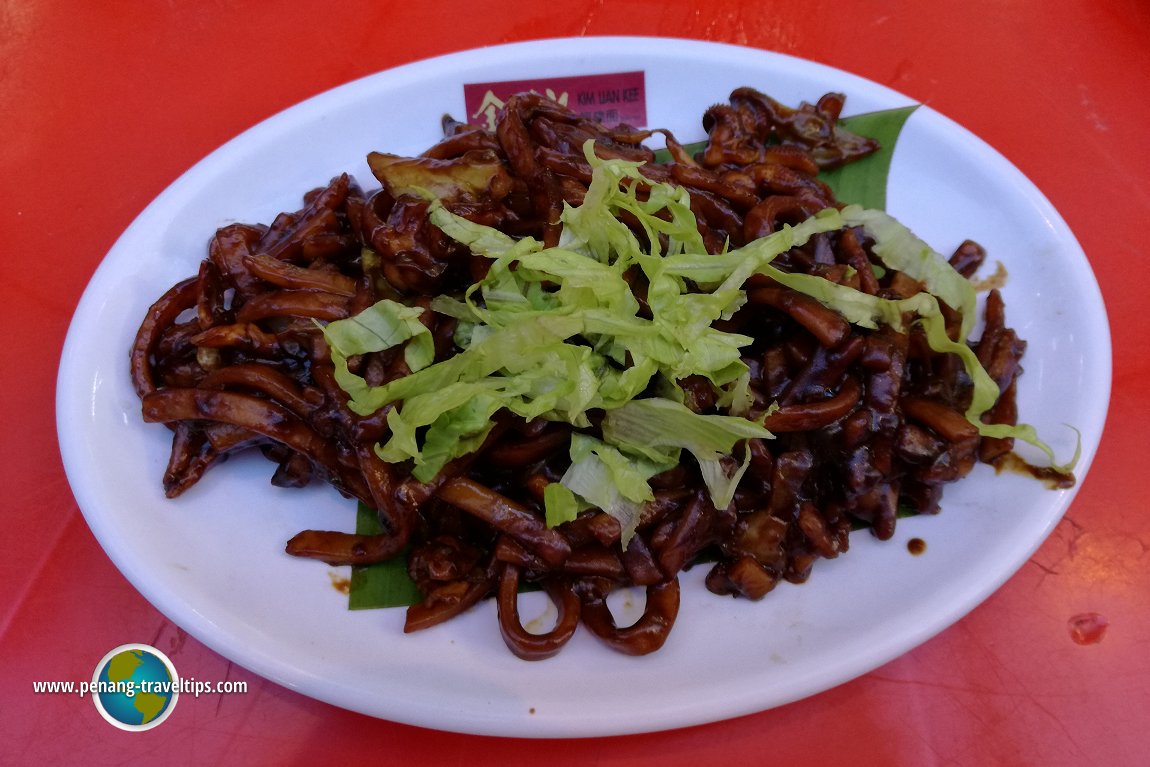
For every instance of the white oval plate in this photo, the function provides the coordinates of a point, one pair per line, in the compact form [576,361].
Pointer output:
[212,561]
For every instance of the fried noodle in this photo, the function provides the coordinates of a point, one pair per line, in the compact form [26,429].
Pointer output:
[868,424]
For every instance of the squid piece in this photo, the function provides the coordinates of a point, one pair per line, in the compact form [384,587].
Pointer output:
[743,576]
[813,127]
[508,517]
[292,277]
[525,644]
[294,303]
[764,217]
[444,603]
[192,454]
[815,415]
[647,634]
[161,315]
[272,382]
[261,416]
[827,325]
[246,336]
[945,421]
[338,548]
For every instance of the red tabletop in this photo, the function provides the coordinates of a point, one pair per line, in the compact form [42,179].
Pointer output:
[105,104]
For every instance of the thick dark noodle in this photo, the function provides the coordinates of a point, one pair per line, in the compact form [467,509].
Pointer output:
[868,423]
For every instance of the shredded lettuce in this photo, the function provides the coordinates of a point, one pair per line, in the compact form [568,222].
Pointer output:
[900,249]
[556,333]
[659,429]
[381,326]
[603,476]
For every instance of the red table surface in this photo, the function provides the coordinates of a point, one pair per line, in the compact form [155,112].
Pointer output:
[105,104]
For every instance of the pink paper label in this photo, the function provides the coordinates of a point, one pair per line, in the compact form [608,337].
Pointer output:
[612,99]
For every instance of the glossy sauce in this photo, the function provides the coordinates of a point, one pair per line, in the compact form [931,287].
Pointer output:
[1054,480]
[996,281]
[340,583]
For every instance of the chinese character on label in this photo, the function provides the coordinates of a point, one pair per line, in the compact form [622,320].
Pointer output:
[612,98]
